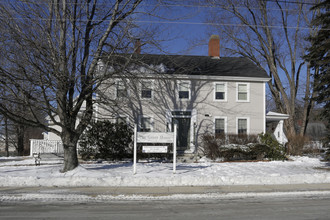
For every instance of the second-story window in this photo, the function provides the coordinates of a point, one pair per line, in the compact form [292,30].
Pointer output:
[146,89]
[121,90]
[242,92]
[184,90]
[220,91]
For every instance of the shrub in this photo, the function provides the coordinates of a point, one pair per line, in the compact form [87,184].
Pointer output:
[277,151]
[106,140]
[295,145]
[242,148]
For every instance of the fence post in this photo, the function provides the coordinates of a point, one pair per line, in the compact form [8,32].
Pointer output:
[31,147]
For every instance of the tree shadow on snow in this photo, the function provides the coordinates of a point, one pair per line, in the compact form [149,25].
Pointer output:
[109,166]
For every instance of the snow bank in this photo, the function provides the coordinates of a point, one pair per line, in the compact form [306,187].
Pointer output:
[300,170]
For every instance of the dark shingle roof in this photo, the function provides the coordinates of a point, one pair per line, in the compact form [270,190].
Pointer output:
[202,65]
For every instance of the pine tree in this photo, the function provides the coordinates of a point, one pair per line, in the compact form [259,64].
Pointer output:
[319,58]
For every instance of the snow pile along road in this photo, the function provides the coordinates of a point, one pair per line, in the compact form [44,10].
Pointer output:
[300,170]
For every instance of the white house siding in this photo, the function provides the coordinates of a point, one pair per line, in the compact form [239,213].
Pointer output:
[201,103]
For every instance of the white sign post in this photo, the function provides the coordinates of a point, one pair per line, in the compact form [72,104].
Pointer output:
[174,148]
[135,146]
[154,137]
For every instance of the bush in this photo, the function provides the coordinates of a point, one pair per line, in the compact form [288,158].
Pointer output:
[277,151]
[242,148]
[241,139]
[296,144]
[106,140]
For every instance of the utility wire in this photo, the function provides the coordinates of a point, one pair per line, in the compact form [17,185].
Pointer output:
[177,22]
[215,5]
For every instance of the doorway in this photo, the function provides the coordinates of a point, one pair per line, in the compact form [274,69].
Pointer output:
[183,120]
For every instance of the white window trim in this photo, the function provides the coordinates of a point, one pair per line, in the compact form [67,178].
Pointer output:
[247,122]
[116,87]
[214,91]
[220,117]
[152,89]
[189,91]
[151,121]
[248,92]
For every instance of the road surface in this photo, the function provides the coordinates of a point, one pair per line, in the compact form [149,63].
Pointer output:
[258,207]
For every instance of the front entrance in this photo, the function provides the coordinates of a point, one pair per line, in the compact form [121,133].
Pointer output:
[183,120]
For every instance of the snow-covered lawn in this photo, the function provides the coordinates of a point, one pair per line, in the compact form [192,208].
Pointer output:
[300,170]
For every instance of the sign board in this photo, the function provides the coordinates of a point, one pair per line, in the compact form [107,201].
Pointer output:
[154,149]
[155,137]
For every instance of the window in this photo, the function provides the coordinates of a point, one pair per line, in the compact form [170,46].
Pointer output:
[219,126]
[242,92]
[242,125]
[220,91]
[121,119]
[184,90]
[145,124]
[146,89]
[121,90]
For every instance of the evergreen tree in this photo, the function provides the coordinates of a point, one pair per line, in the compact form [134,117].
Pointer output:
[318,56]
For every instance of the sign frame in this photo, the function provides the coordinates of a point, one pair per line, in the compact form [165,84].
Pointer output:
[154,137]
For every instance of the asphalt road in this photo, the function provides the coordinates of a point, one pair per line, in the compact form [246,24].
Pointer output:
[283,207]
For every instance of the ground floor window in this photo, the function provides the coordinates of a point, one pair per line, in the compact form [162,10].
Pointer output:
[242,126]
[122,119]
[219,126]
[145,124]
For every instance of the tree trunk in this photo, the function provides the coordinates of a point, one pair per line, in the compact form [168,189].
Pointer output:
[20,140]
[70,156]
[6,136]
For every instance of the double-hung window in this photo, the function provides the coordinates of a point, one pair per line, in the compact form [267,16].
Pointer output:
[242,126]
[145,124]
[243,92]
[146,89]
[219,126]
[220,91]
[184,90]
[121,90]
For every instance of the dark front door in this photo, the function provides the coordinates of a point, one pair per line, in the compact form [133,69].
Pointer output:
[183,132]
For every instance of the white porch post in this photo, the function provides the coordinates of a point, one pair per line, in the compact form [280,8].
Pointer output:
[280,123]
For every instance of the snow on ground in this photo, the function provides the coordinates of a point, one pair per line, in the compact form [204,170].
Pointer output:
[301,170]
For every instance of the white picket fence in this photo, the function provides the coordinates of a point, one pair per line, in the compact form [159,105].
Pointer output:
[46,146]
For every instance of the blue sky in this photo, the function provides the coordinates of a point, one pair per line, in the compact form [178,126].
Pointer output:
[186,32]
[180,28]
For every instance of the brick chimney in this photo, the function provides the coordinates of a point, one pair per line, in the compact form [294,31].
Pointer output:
[214,46]
[137,46]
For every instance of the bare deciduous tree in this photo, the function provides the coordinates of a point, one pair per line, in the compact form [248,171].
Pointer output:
[272,35]
[50,53]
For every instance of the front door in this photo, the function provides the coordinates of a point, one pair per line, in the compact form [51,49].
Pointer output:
[183,132]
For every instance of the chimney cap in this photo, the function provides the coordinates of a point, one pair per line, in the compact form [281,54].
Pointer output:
[215,36]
